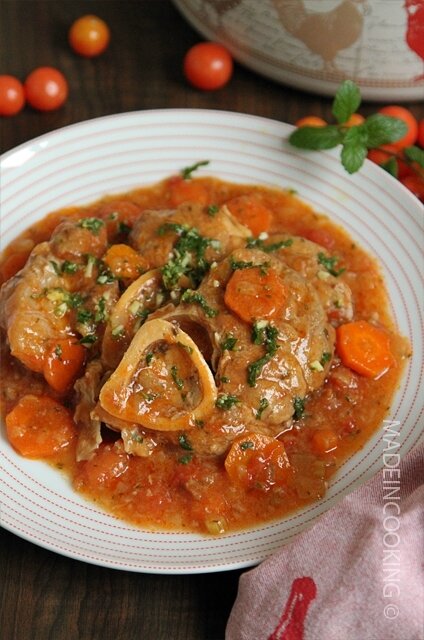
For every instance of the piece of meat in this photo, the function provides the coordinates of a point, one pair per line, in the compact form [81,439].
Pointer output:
[157,247]
[57,294]
[89,425]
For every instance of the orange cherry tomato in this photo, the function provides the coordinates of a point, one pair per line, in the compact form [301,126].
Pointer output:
[46,89]
[310,121]
[12,96]
[409,119]
[89,36]
[208,66]
[354,120]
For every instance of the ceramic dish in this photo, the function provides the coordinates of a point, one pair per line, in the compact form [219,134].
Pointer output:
[80,163]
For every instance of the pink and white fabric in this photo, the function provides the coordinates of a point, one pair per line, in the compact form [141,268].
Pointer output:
[357,574]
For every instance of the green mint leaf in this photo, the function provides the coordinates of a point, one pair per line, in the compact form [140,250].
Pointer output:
[353,155]
[415,154]
[391,167]
[316,138]
[346,101]
[383,130]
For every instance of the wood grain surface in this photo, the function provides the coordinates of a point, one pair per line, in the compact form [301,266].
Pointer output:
[45,596]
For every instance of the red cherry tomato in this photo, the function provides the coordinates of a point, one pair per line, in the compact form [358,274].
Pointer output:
[415,184]
[46,89]
[420,139]
[89,36]
[310,121]
[12,96]
[410,137]
[208,66]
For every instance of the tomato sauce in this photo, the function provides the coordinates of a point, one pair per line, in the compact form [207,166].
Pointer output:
[176,489]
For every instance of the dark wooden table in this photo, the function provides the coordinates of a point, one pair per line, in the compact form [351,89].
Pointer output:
[43,595]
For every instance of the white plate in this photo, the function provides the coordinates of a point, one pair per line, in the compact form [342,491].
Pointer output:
[82,162]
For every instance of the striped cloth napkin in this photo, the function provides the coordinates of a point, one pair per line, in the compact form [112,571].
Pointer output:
[357,574]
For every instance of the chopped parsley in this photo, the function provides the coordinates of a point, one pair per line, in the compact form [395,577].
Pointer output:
[299,407]
[329,262]
[247,444]
[149,358]
[69,267]
[187,171]
[197,298]
[58,351]
[101,314]
[263,404]
[64,299]
[259,243]
[84,316]
[267,336]
[105,274]
[89,339]
[55,267]
[92,224]
[179,382]
[184,442]
[241,264]
[188,255]
[124,228]
[212,210]
[226,401]
[326,357]
[185,459]
[228,343]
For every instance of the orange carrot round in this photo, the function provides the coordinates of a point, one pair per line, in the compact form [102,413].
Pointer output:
[255,292]
[255,461]
[124,262]
[251,212]
[63,363]
[364,348]
[39,427]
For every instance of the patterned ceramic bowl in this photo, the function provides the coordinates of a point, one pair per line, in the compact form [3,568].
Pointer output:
[314,45]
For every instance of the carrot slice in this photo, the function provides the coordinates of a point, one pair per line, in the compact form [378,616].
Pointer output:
[181,190]
[255,293]
[39,427]
[364,348]
[255,461]
[63,363]
[124,262]
[250,211]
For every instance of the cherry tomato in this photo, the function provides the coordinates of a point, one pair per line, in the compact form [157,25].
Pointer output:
[420,139]
[415,184]
[46,89]
[354,120]
[311,121]
[208,66]
[89,36]
[410,137]
[12,96]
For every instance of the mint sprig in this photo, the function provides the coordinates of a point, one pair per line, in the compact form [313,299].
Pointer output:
[376,130]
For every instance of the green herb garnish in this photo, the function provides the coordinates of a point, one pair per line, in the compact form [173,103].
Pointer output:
[299,407]
[185,459]
[228,343]
[263,404]
[69,267]
[92,224]
[197,298]
[226,401]
[212,210]
[375,131]
[326,357]
[187,171]
[184,442]
[188,255]
[247,444]
[266,335]
[259,243]
[329,263]
[179,382]
[89,339]
[149,358]
[84,316]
